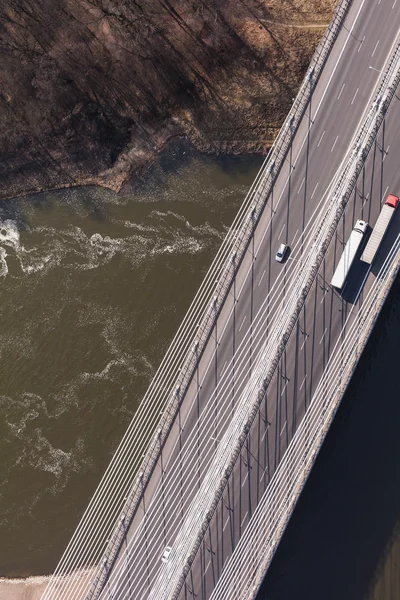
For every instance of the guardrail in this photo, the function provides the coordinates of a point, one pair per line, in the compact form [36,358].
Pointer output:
[223,269]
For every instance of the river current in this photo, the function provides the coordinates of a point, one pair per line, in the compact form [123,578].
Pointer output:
[93,288]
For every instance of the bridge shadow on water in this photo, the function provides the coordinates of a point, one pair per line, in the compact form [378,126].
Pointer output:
[351,503]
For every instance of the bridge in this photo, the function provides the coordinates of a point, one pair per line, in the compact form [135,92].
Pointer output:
[201,488]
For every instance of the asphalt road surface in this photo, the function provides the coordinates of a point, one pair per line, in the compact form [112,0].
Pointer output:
[338,105]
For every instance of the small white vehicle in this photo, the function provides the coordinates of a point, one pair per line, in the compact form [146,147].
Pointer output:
[282,251]
[166,554]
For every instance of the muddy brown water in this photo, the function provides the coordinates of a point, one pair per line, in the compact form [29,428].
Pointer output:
[93,287]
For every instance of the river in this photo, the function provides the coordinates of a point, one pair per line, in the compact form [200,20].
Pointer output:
[94,285]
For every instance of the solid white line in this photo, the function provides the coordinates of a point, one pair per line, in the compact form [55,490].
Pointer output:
[244,318]
[384,194]
[315,189]
[304,380]
[340,93]
[245,479]
[354,97]
[376,45]
[223,368]
[301,185]
[362,41]
[320,139]
[281,231]
[283,428]
[323,335]
[334,143]
[262,277]
[244,518]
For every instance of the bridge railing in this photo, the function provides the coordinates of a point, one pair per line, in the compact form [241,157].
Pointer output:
[102,529]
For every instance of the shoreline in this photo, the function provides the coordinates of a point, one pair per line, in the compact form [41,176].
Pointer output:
[115,182]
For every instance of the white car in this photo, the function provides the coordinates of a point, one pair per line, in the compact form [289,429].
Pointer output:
[166,554]
[282,251]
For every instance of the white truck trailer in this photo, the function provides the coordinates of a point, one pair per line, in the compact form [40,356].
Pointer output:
[381,226]
[349,254]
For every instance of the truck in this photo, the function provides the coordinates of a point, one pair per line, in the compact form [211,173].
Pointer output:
[349,253]
[380,229]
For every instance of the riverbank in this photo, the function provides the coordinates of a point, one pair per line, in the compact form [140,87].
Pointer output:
[92,91]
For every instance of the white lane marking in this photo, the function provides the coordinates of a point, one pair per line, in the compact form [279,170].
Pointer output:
[394,4]
[364,203]
[284,388]
[340,93]
[283,429]
[374,69]
[294,237]
[223,368]
[304,380]
[244,518]
[245,479]
[354,97]
[209,563]
[386,152]
[263,475]
[244,318]
[281,231]
[320,139]
[323,335]
[334,143]
[362,41]
[265,433]
[384,194]
[305,339]
[323,297]
[301,185]
[315,189]
[376,45]
[261,278]
[226,523]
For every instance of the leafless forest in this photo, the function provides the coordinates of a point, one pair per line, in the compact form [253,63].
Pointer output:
[90,90]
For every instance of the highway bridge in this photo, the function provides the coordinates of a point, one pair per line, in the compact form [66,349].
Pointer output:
[202,486]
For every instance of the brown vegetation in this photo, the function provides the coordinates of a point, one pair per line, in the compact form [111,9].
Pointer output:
[91,89]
